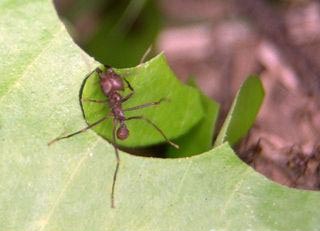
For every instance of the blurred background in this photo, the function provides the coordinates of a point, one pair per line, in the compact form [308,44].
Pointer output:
[221,43]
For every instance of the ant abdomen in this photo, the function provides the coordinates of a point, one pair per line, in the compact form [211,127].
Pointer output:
[122,132]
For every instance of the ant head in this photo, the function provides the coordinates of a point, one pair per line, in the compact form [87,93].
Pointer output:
[110,81]
[122,132]
[110,71]
[106,74]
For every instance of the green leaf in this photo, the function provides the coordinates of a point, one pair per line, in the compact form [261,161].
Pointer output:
[128,28]
[199,139]
[243,112]
[151,81]
[67,186]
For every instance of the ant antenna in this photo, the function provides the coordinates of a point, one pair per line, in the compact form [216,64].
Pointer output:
[145,55]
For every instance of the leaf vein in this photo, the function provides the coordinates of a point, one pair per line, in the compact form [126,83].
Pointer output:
[233,192]
[15,84]
[66,186]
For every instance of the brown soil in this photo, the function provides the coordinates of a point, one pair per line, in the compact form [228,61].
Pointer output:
[227,41]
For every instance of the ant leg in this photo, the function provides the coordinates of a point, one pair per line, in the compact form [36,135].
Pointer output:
[144,105]
[95,70]
[98,70]
[77,132]
[118,161]
[128,84]
[156,127]
[94,100]
[124,99]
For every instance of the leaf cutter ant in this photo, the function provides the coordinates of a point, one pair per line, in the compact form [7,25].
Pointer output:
[112,85]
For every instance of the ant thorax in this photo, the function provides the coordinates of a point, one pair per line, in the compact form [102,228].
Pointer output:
[117,112]
[114,99]
[110,82]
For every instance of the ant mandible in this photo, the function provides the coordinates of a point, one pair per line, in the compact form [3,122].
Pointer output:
[112,85]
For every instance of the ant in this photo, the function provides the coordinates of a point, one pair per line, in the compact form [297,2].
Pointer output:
[112,85]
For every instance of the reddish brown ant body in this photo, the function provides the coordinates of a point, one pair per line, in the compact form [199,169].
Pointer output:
[112,85]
